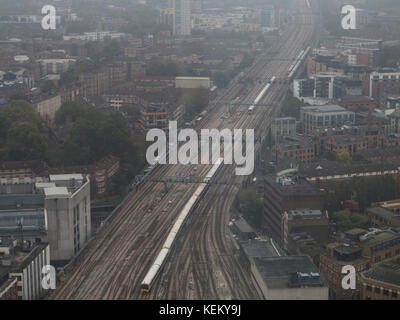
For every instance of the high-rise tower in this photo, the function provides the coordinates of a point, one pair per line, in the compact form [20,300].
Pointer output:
[182,17]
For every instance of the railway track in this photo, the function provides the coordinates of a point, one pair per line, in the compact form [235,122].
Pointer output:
[213,246]
[117,260]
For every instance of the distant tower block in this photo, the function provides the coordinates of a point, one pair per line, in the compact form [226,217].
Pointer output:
[182,17]
[197,6]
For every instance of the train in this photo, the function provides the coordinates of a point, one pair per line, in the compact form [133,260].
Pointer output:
[250,110]
[145,286]
[296,64]
[261,95]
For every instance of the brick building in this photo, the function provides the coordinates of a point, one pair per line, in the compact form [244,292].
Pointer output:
[313,222]
[362,249]
[285,193]
[381,282]
[382,84]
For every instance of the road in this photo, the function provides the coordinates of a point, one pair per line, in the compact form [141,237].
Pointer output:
[202,264]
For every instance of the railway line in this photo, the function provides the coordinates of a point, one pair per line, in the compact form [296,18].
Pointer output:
[216,252]
[202,263]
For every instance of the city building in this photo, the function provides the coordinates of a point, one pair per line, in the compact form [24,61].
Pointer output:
[350,144]
[356,103]
[54,209]
[283,194]
[54,66]
[182,17]
[101,174]
[383,84]
[21,169]
[192,82]
[155,116]
[197,6]
[283,127]
[381,282]
[48,107]
[21,263]
[288,278]
[270,17]
[301,148]
[243,230]
[393,101]
[332,170]
[314,223]
[362,249]
[166,16]
[394,119]
[95,36]
[385,214]
[328,116]
[257,248]
[360,51]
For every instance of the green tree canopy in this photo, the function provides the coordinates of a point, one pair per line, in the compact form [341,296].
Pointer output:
[17,111]
[346,220]
[25,142]
[195,101]
[251,205]
[344,158]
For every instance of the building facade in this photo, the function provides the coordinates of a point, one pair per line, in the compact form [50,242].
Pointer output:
[182,17]
[320,117]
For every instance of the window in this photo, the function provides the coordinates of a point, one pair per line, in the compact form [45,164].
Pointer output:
[377,290]
[369,288]
[394,294]
[386,292]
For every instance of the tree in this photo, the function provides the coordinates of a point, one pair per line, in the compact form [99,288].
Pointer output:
[345,158]
[131,111]
[112,49]
[251,205]
[291,107]
[195,101]
[364,190]
[48,86]
[346,220]
[96,134]
[19,96]
[24,142]
[17,111]
[222,79]
[71,111]
[157,67]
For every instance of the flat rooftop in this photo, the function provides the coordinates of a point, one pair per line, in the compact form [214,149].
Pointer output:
[305,214]
[56,192]
[21,201]
[258,249]
[243,226]
[289,272]
[23,258]
[324,108]
[292,185]
[386,272]
[381,212]
[65,177]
